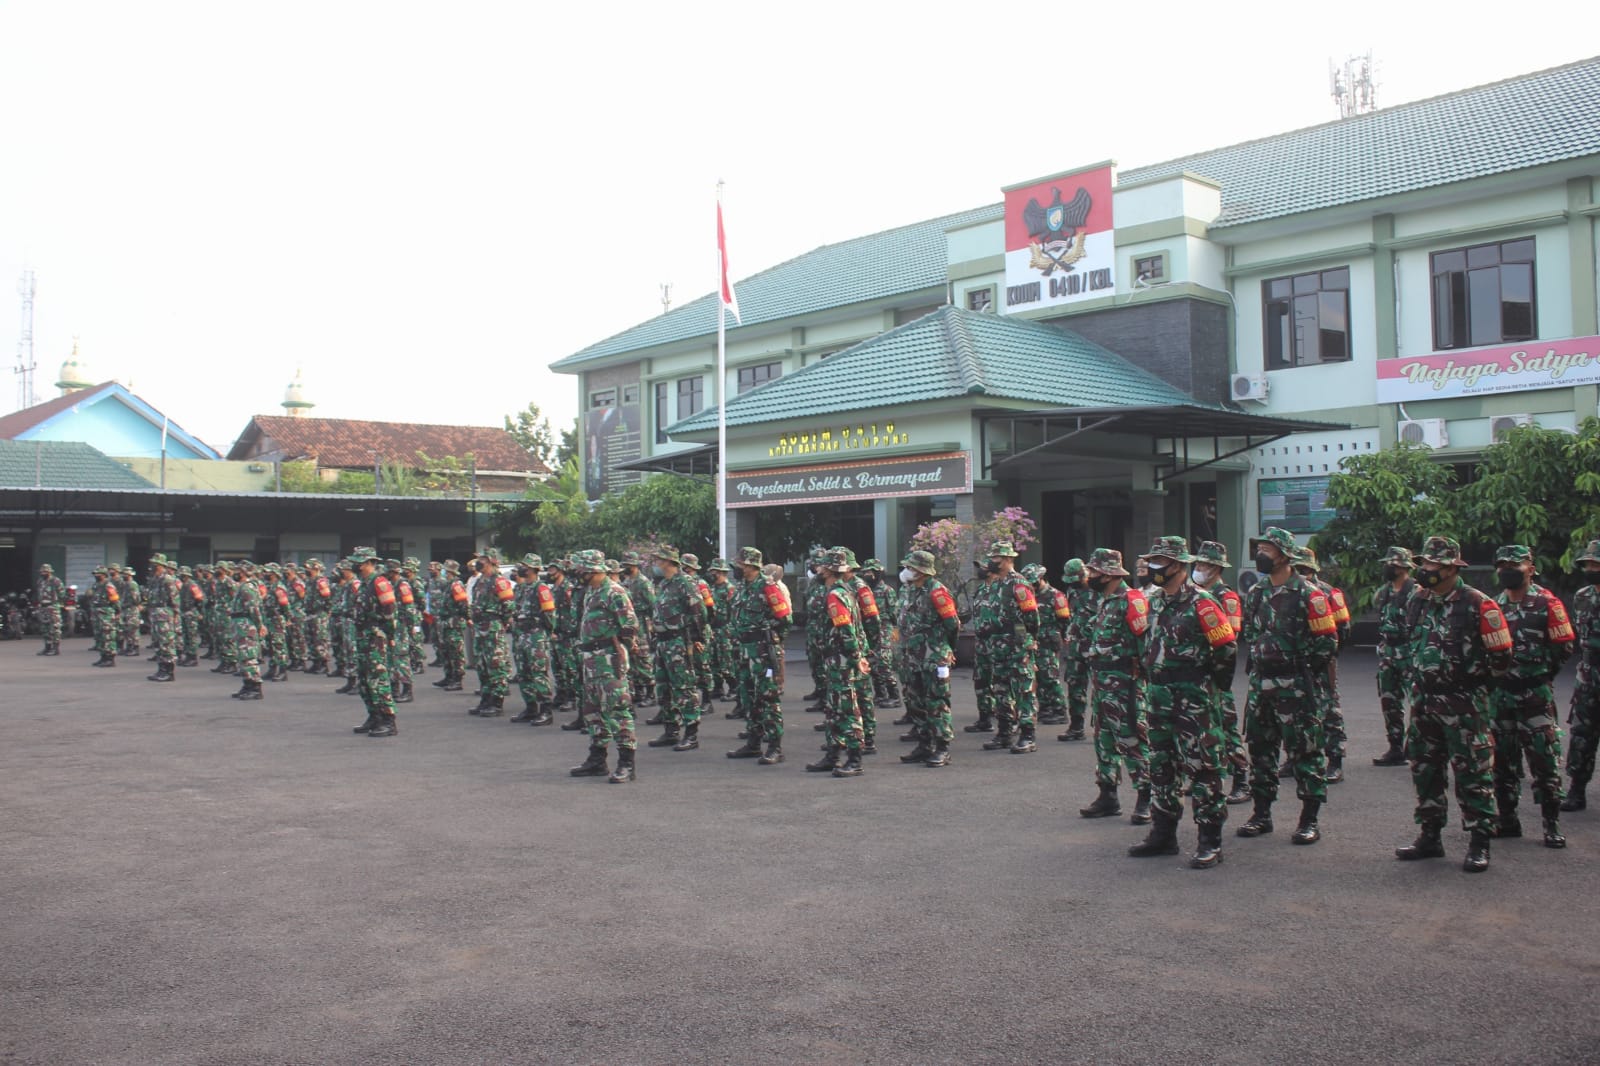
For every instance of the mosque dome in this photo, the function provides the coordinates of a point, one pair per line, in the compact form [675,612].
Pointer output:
[294,398]
[74,375]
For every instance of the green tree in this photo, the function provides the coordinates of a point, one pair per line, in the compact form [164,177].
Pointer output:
[787,534]
[1396,497]
[532,430]
[448,475]
[661,508]
[567,450]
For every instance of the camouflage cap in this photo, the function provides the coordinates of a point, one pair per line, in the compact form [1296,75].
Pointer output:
[1591,553]
[1514,553]
[222,566]
[1107,561]
[562,565]
[873,564]
[391,564]
[1213,552]
[412,562]
[533,560]
[841,558]
[160,559]
[313,563]
[751,556]
[1279,538]
[1002,549]
[588,561]
[46,568]
[346,563]
[184,571]
[721,565]
[920,561]
[691,561]
[1071,569]
[273,568]
[1307,559]
[1174,548]
[1035,572]
[1399,557]
[613,567]
[1442,550]
[452,567]
[666,553]
[363,555]
[630,558]
[101,571]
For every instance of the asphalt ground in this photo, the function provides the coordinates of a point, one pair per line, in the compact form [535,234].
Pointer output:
[188,879]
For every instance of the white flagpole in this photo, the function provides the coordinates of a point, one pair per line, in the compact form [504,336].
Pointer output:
[722,400]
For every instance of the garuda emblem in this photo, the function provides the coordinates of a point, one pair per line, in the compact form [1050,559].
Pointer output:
[1055,232]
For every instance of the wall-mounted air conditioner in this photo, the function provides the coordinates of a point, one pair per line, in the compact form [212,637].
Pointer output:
[1500,425]
[1249,387]
[1428,432]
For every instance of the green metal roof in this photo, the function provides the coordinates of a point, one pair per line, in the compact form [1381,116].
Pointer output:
[880,265]
[949,354]
[62,465]
[1535,119]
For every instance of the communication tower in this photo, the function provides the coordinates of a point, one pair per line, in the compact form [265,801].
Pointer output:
[25,363]
[1353,85]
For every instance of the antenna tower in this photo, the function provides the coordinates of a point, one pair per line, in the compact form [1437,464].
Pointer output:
[1353,85]
[25,362]
[666,297]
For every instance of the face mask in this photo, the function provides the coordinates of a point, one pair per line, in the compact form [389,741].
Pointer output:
[1510,579]
[1431,578]
[1265,563]
[1591,576]
[1100,584]
[907,576]
[1202,575]
[870,579]
[656,571]
[1391,572]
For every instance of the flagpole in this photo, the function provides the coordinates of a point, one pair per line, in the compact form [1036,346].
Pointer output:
[722,393]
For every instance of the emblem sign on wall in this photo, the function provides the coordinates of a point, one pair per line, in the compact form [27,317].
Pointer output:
[1060,245]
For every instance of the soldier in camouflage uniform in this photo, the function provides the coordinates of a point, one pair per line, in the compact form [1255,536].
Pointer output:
[131,608]
[679,625]
[1117,699]
[569,613]
[1523,701]
[928,632]
[869,626]
[164,620]
[700,655]
[758,618]
[222,627]
[1289,636]
[1015,640]
[451,609]
[103,602]
[1394,651]
[342,617]
[642,592]
[533,624]
[606,631]
[1075,652]
[410,568]
[493,604]
[817,626]
[275,616]
[49,596]
[1210,559]
[885,679]
[318,602]
[1055,619]
[1459,641]
[373,615]
[845,660]
[986,611]
[249,629]
[294,634]
[206,580]
[1190,644]
[434,590]
[1584,716]
[407,630]
[191,608]
[724,683]
[1326,680]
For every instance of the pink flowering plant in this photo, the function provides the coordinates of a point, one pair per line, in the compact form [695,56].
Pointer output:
[956,545]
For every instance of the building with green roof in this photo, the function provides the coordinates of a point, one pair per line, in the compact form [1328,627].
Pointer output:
[1189,346]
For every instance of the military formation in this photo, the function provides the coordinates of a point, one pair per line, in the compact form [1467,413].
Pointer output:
[1142,665]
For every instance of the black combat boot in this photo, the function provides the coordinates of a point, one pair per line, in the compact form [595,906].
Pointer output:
[1286,770]
[366,727]
[1395,756]
[1141,807]
[624,773]
[921,752]
[496,708]
[1575,801]
[542,714]
[349,686]
[189,660]
[483,704]
[594,765]
[104,660]
[1335,769]
[1105,805]
[832,756]
[659,718]
[574,725]
[984,724]
[1208,852]
[244,687]
[1552,825]
[404,695]
[812,696]
[851,766]
[1162,839]
[772,756]
[751,749]
[1002,739]
[941,754]
[1241,788]
[691,738]
[904,719]
[445,680]
[454,685]
[1508,826]
[1074,729]
[1477,859]
[384,727]
[668,738]
[252,691]
[220,668]
[1260,823]
[739,711]
[717,692]
[1426,846]
[1307,832]
[166,670]
[525,716]
[1026,744]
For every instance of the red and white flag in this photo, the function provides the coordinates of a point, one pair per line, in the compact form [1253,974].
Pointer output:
[729,300]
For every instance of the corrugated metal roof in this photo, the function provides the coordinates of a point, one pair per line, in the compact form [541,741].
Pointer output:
[70,465]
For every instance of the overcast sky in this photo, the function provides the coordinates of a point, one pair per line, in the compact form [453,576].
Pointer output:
[421,205]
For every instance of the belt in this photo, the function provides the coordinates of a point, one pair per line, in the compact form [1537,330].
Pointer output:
[667,634]
[1519,685]
[591,645]
[1280,671]
[1188,673]
[752,636]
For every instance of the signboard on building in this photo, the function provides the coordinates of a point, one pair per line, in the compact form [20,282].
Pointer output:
[920,475]
[1060,246]
[1298,504]
[611,428]
[1558,364]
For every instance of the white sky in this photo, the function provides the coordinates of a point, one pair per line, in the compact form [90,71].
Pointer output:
[424,204]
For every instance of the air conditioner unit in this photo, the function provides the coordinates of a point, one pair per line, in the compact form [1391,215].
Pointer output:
[1249,387]
[1500,425]
[1428,432]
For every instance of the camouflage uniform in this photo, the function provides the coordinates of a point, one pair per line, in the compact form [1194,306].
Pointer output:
[1214,556]
[700,654]
[1012,656]
[986,611]
[1325,682]
[418,635]
[343,617]
[1117,700]
[407,621]
[844,653]
[1189,645]
[103,599]
[724,661]
[164,621]
[319,602]
[534,620]
[49,594]
[191,608]
[885,678]
[451,611]
[569,613]
[1394,652]
[373,616]
[606,631]
[246,613]
[222,626]
[130,608]
[1085,606]
[275,615]
[929,627]
[817,626]
[1584,716]
[1055,619]
[758,619]
[869,627]
[679,624]
[1523,700]
[641,663]
[294,634]
[492,607]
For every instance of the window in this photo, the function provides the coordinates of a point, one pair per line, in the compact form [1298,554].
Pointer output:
[1308,319]
[630,395]
[603,398]
[980,300]
[1483,295]
[691,396]
[751,377]
[663,392]
[1150,268]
